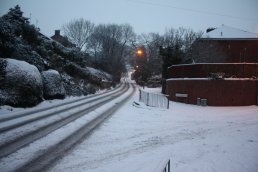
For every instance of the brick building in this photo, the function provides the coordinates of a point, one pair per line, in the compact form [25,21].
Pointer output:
[226,45]
[223,53]
[61,39]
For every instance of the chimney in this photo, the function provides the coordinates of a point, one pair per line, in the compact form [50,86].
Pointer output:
[57,32]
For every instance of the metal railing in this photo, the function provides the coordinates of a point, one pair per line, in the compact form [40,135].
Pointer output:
[154,99]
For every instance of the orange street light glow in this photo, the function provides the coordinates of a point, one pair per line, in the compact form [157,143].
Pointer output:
[139,52]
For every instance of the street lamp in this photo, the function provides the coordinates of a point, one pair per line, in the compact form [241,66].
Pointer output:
[139,52]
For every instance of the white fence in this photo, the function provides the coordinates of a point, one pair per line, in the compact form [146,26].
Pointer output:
[154,99]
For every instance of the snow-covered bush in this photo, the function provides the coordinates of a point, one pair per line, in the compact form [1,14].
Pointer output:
[18,38]
[30,34]
[22,41]
[85,80]
[154,81]
[52,84]
[76,86]
[71,54]
[3,65]
[24,52]
[7,38]
[101,74]
[89,74]
[15,16]
[21,85]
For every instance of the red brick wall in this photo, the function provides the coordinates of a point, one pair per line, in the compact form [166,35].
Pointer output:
[240,70]
[240,50]
[217,92]
[235,50]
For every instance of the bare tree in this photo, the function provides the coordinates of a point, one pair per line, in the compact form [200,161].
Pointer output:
[78,31]
[189,38]
[128,36]
[152,42]
[108,44]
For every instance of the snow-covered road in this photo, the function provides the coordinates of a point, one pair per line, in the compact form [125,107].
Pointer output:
[48,138]
[139,138]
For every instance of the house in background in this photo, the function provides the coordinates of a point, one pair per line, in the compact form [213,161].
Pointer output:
[226,45]
[62,40]
[225,72]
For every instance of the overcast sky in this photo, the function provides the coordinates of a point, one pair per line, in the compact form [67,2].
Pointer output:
[144,15]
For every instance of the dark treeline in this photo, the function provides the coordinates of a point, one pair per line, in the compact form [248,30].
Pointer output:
[108,47]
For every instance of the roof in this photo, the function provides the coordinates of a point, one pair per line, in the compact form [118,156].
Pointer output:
[226,32]
[63,40]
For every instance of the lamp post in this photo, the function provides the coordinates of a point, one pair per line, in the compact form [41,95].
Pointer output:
[141,64]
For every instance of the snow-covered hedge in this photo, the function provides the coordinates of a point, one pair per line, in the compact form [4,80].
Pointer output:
[99,73]
[22,41]
[52,84]
[21,83]
[89,74]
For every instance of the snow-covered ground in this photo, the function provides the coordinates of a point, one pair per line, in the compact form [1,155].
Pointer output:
[139,138]
[194,138]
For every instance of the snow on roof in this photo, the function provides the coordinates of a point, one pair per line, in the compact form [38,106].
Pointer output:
[229,32]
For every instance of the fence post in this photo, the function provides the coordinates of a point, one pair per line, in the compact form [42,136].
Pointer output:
[257,100]
[167,102]
[140,94]
[147,99]
[168,165]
